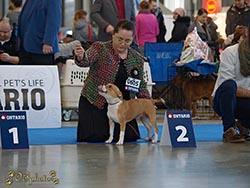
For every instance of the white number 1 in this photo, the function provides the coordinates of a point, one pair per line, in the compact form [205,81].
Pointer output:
[15,135]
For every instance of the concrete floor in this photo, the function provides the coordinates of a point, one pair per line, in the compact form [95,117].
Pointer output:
[215,165]
[210,164]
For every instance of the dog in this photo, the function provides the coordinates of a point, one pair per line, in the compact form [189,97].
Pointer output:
[122,111]
[194,89]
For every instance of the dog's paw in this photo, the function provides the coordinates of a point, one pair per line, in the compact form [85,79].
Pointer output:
[108,141]
[119,143]
[154,141]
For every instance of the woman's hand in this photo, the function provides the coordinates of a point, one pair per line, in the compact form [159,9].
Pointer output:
[110,29]
[79,52]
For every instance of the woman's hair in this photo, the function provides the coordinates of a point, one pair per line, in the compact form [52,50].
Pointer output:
[144,4]
[240,31]
[124,24]
[209,20]
[80,14]
[248,33]
[15,4]
[202,11]
[144,7]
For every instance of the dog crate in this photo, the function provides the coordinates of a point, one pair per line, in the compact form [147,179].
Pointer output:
[72,79]
[182,89]
[201,91]
[204,110]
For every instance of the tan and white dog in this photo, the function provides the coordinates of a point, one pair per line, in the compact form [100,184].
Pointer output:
[122,111]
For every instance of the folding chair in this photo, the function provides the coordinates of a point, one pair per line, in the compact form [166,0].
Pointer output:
[161,57]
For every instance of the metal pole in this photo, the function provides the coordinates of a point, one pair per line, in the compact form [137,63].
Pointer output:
[195,5]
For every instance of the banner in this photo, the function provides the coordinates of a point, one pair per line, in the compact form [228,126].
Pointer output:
[34,89]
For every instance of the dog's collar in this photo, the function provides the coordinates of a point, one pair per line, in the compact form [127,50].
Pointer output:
[114,103]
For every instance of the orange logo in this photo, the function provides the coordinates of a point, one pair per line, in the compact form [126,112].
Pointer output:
[211,6]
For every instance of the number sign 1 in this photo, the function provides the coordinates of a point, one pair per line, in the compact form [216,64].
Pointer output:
[178,129]
[14,133]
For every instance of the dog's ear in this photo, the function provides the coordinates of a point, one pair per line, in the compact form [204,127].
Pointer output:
[119,94]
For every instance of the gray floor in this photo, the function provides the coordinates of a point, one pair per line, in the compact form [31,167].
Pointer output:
[210,164]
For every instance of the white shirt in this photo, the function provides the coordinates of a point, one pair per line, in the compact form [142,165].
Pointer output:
[230,69]
[2,42]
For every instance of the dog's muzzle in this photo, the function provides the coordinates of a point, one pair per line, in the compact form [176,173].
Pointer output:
[102,89]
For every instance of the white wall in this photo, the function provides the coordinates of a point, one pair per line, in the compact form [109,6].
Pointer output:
[170,4]
[168,20]
[220,20]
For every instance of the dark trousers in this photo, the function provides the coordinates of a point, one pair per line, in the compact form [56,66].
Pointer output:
[27,58]
[230,107]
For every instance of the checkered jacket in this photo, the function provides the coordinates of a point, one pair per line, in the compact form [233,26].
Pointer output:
[104,64]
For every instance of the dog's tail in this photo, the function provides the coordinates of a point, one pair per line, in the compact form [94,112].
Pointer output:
[160,100]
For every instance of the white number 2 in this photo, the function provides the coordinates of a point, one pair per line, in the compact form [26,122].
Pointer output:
[182,137]
[15,135]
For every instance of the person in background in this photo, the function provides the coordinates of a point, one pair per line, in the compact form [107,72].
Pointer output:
[113,61]
[247,2]
[146,26]
[107,13]
[158,13]
[232,93]
[212,29]
[38,27]
[14,11]
[82,30]
[8,51]
[200,23]
[181,25]
[237,14]
[240,32]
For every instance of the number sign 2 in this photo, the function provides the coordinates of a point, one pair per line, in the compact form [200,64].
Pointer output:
[178,129]
[14,133]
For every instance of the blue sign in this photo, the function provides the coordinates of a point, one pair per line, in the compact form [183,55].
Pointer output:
[180,128]
[14,133]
